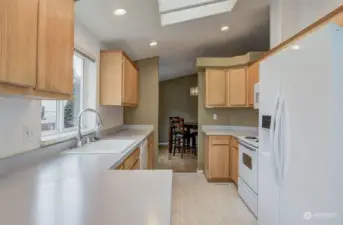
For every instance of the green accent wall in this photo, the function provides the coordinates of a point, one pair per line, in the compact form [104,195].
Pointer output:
[146,113]
[175,100]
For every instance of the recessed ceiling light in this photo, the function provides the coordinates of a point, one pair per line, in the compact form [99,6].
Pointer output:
[224,28]
[119,12]
[295,47]
[153,43]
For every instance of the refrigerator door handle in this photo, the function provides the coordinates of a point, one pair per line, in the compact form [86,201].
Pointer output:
[277,136]
[272,137]
[283,137]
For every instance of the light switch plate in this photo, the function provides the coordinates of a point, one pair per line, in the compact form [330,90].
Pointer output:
[215,116]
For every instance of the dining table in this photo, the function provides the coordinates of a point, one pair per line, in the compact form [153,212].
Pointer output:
[188,126]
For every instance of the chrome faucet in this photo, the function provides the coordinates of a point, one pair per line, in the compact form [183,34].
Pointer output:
[99,124]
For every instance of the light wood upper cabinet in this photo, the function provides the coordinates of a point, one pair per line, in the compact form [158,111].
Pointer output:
[36,48]
[253,78]
[18,42]
[228,87]
[118,79]
[215,85]
[236,82]
[55,46]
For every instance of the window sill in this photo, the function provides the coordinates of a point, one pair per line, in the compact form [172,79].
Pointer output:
[62,137]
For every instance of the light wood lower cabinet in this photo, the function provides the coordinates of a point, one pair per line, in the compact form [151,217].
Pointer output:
[151,151]
[221,158]
[234,160]
[217,158]
[132,162]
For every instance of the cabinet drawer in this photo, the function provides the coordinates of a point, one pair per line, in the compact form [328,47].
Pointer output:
[220,140]
[131,160]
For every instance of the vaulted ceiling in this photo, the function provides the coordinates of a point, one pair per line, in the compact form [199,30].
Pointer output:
[178,44]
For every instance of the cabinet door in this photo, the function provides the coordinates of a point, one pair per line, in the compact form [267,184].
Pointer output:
[55,46]
[215,83]
[134,85]
[234,164]
[18,42]
[127,90]
[237,87]
[219,161]
[253,78]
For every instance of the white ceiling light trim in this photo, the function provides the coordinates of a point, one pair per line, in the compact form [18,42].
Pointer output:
[197,12]
[119,12]
[224,28]
[153,43]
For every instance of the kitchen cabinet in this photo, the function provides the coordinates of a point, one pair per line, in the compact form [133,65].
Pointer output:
[151,151]
[234,160]
[55,46]
[236,87]
[217,158]
[131,160]
[215,87]
[226,88]
[36,45]
[18,42]
[253,78]
[118,79]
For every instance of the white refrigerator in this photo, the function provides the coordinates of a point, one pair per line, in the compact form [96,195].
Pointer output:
[300,176]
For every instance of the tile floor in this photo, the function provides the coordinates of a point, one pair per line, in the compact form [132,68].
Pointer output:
[197,202]
[167,161]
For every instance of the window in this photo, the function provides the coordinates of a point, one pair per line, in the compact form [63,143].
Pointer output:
[61,116]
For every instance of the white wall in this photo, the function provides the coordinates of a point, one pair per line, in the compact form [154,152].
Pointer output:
[18,116]
[288,17]
[87,43]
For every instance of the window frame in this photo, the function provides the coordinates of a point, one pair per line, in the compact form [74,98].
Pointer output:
[60,129]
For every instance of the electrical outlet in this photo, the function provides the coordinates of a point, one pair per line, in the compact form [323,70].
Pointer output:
[28,134]
[215,116]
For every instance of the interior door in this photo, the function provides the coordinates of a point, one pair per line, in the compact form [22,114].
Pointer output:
[18,42]
[55,46]
[215,82]
[237,81]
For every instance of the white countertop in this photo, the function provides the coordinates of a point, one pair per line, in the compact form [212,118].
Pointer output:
[80,190]
[236,131]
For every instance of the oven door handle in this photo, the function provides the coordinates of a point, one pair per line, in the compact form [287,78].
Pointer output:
[247,146]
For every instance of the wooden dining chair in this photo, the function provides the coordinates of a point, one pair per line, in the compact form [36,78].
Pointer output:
[181,137]
[172,135]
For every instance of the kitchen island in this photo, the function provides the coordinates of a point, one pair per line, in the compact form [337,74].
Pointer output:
[84,189]
[80,190]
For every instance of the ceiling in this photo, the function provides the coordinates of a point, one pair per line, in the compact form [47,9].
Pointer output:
[178,44]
